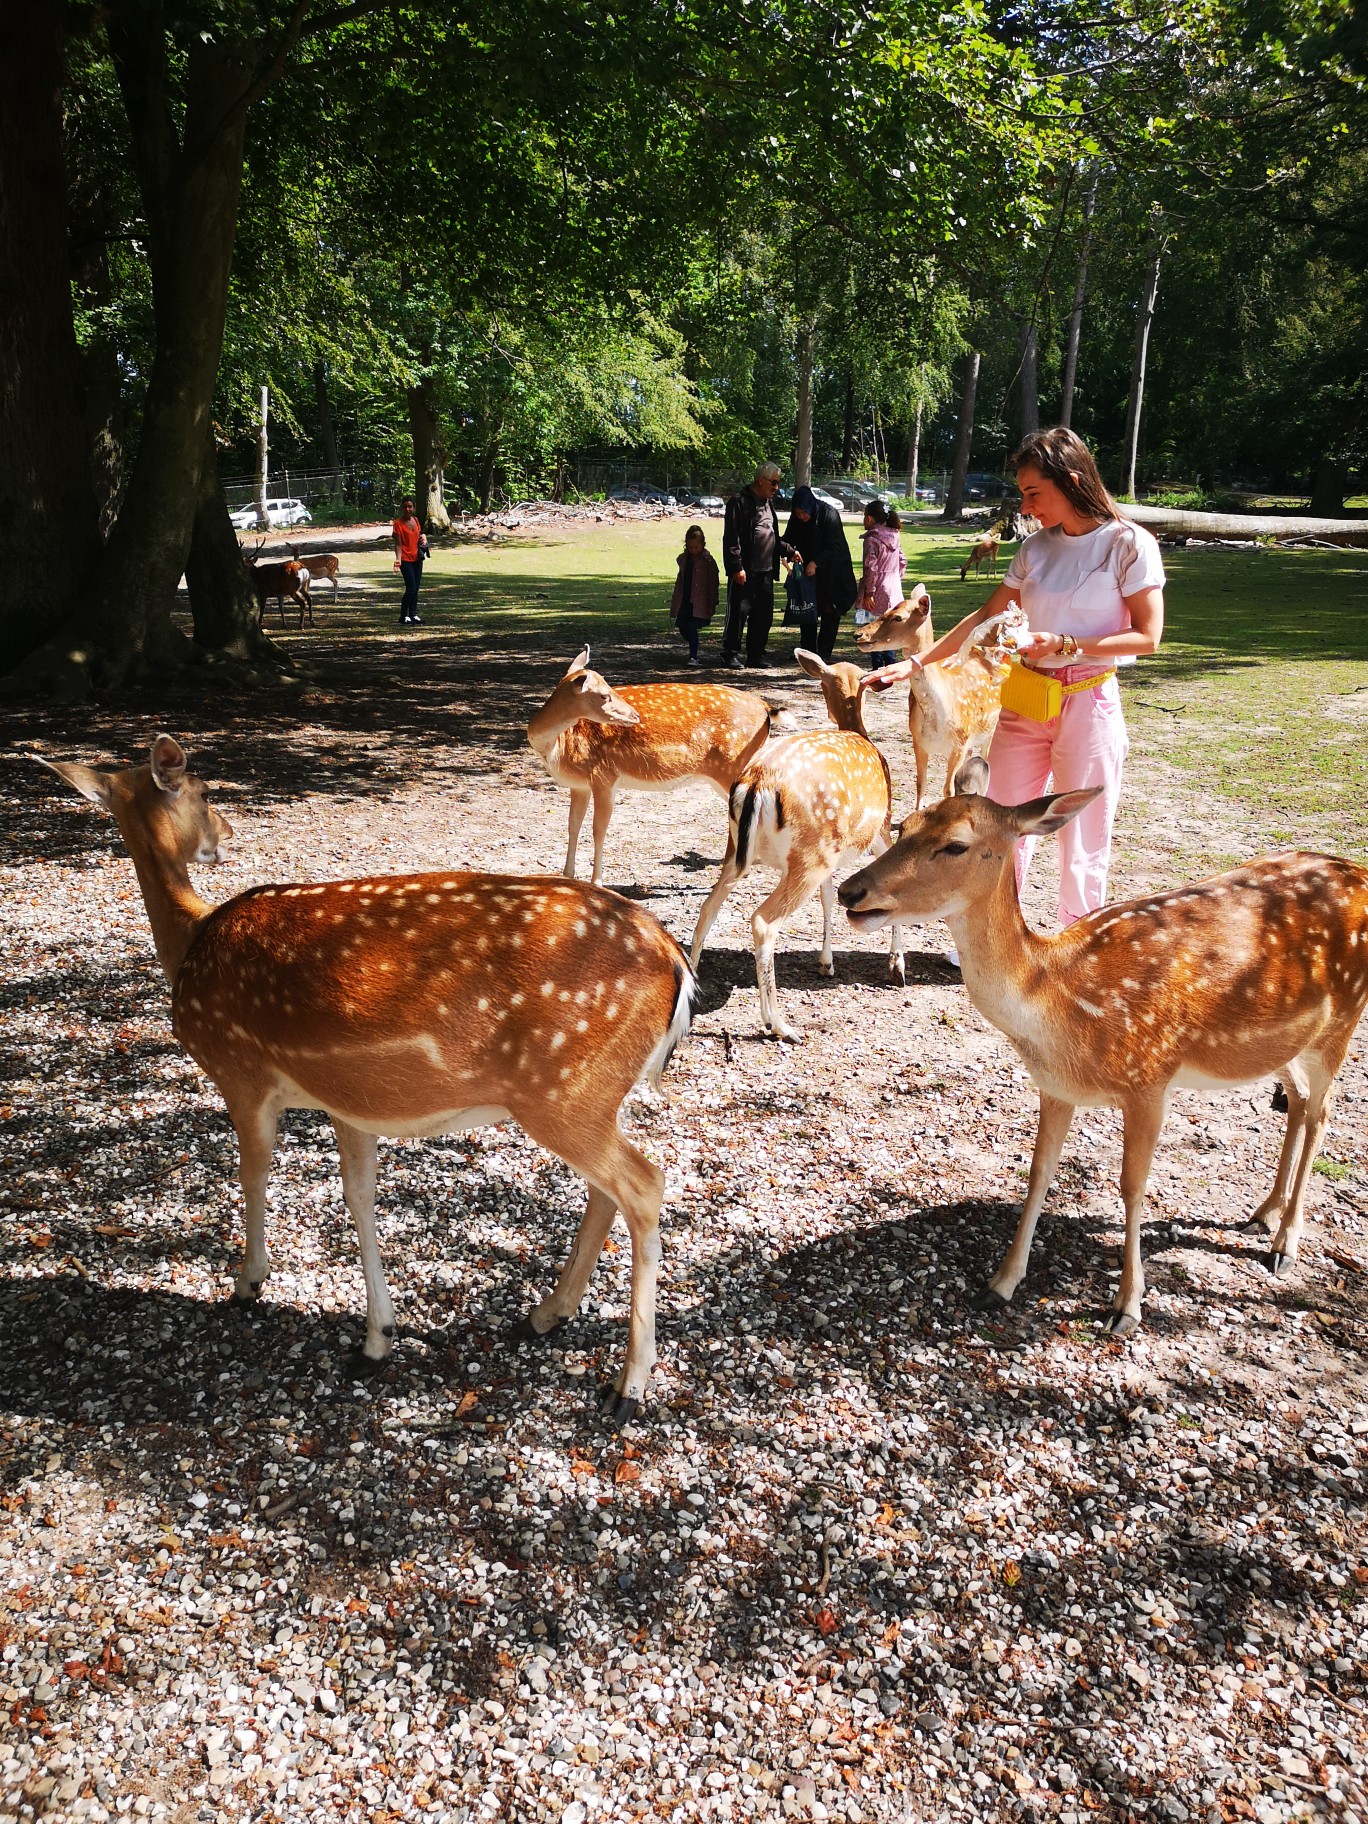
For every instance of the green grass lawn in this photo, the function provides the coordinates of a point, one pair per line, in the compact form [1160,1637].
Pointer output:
[1259,694]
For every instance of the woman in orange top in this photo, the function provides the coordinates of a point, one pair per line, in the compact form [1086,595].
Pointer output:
[410,548]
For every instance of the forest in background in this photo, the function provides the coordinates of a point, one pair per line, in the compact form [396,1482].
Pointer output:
[469,246]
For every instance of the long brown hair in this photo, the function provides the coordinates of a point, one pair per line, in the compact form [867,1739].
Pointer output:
[1063,458]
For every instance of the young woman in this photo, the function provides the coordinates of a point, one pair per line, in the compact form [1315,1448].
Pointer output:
[1092,586]
[410,548]
[694,601]
[881,577]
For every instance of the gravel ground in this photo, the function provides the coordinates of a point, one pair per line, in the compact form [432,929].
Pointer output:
[866,1557]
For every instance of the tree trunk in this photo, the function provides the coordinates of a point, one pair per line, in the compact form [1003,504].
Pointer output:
[1144,318]
[221,599]
[914,454]
[327,430]
[848,433]
[1329,485]
[964,436]
[190,190]
[104,404]
[802,455]
[488,463]
[1066,396]
[1249,525]
[49,534]
[1030,386]
[428,458]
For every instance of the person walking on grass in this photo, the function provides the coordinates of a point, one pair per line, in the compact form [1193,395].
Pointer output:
[410,549]
[816,532]
[1092,586]
[881,576]
[751,550]
[694,601]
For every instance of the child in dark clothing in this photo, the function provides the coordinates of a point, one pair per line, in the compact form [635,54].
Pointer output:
[694,601]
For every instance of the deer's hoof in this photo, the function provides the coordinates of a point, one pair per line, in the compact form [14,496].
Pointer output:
[248,1300]
[826,969]
[363,1367]
[1120,1323]
[525,1331]
[988,1301]
[617,1408]
[1281,1266]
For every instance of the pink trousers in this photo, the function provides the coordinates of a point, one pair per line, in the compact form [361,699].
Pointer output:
[1086,744]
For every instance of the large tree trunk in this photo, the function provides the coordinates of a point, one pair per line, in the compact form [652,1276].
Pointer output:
[429,459]
[1329,485]
[122,624]
[1030,385]
[49,533]
[1349,532]
[327,429]
[1144,318]
[802,455]
[1066,396]
[221,599]
[964,436]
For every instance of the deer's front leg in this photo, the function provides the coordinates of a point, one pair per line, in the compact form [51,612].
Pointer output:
[1142,1123]
[826,962]
[579,805]
[1054,1122]
[256,1134]
[603,813]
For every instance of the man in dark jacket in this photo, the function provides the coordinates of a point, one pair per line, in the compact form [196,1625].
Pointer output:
[751,549]
[816,532]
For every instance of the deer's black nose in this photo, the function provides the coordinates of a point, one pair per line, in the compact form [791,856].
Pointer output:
[849,894]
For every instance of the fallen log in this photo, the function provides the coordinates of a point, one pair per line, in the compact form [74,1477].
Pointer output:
[1169,522]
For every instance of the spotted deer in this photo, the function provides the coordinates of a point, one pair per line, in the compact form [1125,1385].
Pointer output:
[953,706]
[324,564]
[906,628]
[807,801]
[984,553]
[642,737]
[412,1005]
[1259,972]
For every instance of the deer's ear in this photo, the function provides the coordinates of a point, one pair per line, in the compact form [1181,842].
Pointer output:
[1043,816]
[98,787]
[169,764]
[810,663]
[971,781]
[579,664]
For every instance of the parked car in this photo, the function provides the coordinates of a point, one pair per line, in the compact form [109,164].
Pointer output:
[657,497]
[711,504]
[631,494]
[282,512]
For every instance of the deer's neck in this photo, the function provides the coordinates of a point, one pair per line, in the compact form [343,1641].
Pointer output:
[1005,964]
[174,909]
[545,729]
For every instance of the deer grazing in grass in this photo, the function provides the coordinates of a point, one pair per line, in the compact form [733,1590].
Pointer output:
[643,737]
[906,628]
[1259,972]
[953,706]
[984,553]
[803,804]
[419,1004]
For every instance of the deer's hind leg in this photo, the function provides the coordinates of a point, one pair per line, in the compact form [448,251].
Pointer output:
[256,1136]
[1320,1070]
[796,887]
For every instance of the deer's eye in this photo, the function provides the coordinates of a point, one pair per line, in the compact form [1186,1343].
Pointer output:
[953,848]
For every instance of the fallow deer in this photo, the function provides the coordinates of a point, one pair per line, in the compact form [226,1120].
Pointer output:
[641,737]
[906,628]
[953,706]
[1259,972]
[985,553]
[806,802]
[324,563]
[279,579]
[419,1004]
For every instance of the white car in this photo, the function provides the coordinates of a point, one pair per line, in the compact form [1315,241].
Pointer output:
[278,513]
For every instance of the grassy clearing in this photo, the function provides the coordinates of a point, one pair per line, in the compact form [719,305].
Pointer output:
[1259,697]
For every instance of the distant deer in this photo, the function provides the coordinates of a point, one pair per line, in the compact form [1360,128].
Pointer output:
[418,1004]
[642,737]
[805,802]
[279,579]
[324,564]
[1259,972]
[906,628]
[984,553]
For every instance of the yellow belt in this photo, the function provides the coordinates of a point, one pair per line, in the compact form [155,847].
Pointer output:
[1088,683]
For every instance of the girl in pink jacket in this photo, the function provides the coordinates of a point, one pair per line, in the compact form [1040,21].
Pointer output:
[884,563]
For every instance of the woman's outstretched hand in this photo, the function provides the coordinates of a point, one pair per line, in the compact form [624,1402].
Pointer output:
[889,675]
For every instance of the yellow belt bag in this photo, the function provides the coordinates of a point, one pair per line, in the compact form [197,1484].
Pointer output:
[1032,694]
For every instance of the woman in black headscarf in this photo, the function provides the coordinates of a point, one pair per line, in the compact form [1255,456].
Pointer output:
[815,529]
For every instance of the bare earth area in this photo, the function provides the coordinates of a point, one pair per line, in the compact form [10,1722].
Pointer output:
[866,1556]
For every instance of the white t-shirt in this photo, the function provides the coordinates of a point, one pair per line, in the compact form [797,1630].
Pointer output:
[1078,584]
